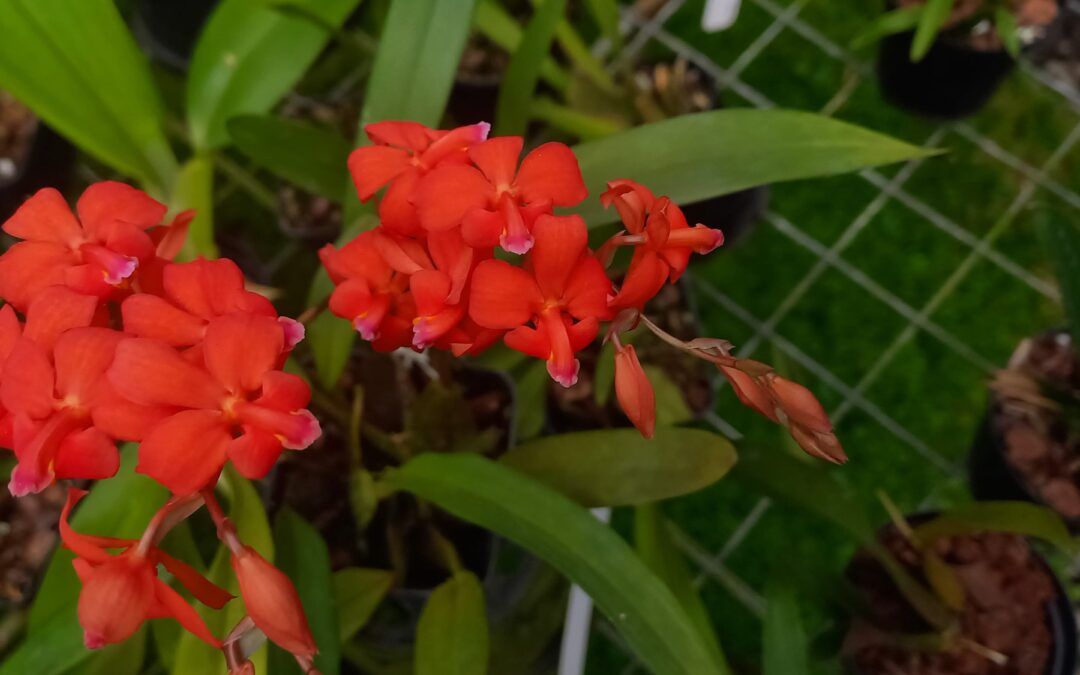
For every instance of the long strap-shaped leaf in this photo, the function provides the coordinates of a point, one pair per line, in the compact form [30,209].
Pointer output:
[696,157]
[77,66]
[498,498]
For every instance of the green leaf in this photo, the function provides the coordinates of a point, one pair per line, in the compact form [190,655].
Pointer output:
[125,658]
[452,636]
[617,467]
[417,60]
[606,14]
[250,55]
[357,594]
[933,16]
[496,24]
[55,647]
[657,548]
[515,95]
[331,340]
[195,190]
[889,23]
[309,156]
[1061,236]
[695,157]
[671,408]
[302,555]
[245,510]
[523,510]
[75,63]
[1030,520]
[530,401]
[1005,23]
[784,642]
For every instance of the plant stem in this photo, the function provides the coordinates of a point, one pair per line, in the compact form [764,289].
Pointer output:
[247,181]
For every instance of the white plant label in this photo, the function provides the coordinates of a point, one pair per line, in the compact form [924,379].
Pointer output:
[719,14]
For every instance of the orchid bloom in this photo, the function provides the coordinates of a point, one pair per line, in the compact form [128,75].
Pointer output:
[120,592]
[96,253]
[64,415]
[496,201]
[10,332]
[663,240]
[192,294]
[370,293]
[634,392]
[563,295]
[403,152]
[440,294]
[234,406]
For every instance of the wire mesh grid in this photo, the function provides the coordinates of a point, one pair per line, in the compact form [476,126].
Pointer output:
[978,251]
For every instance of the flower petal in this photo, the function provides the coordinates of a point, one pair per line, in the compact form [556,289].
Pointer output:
[10,331]
[82,545]
[185,614]
[587,290]
[149,316]
[240,348]
[502,296]
[55,310]
[205,288]
[87,454]
[402,134]
[80,358]
[647,274]
[430,289]
[448,193]
[45,216]
[560,241]
[107,202]
[185,452]
[497,158]
[284,391]
[28,267]
[255,452]
[373,166]
[26,383]
[207,592]
[551,172]
[152,373]
[121,418]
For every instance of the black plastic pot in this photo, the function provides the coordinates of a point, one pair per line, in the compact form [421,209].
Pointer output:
[952,81]
[168,29]
[1059,618]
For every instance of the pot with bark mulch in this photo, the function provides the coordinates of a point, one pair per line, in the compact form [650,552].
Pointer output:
[964,66]
[1015,618]
[1028,446]
[32,156]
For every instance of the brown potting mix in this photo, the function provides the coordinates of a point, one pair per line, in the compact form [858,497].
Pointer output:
[1037,402]
[1003,622]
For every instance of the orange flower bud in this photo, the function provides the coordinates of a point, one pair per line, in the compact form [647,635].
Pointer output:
[115,600]
[272,602]
[821,445]
[634,392]
[799,404]
[750,392]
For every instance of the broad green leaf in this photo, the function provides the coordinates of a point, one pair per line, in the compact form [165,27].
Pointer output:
[1008,30]
[302,555]
[617,467]
[530,400]
[309,156]
[246,511]
[1061,235]
[640,606]
[519,83]
[357,594]
[1030,520]
[671,408]
[331,340]
[784,643]
[933,16]
[75,63]
[452,635]
[889,23]
[54,647]
[694,157]
[250,55]
[195,190]
[657,548]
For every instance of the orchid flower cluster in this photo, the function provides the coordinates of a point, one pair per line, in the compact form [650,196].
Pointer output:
[469,250]
[116,343]
[103,339]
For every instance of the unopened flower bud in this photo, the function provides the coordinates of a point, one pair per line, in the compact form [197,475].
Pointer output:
[799,404]
[245,668]
[821,445]
[115,600]
[272,602]
[634,391]
[750,392]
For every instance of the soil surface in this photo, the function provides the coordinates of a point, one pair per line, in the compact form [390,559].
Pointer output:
[27,537]
[1006,589]
[1038,419]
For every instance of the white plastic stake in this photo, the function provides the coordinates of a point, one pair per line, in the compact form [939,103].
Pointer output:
[576,628]
[719,14]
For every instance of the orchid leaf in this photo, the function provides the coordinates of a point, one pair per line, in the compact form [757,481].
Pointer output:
[617,467]
[695,157]
[357,594]
[452,635]
[784,645]
[515,95]
[1024,518]
[643,610]
[933,16]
